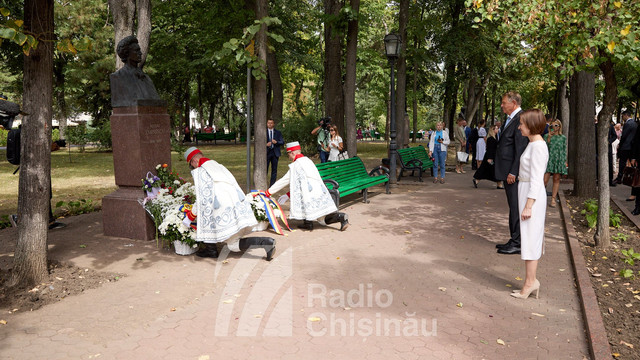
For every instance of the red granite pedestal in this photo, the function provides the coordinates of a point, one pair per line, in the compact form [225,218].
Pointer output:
[141,140]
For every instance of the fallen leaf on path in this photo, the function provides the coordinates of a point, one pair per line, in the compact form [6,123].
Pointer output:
[637,297]
[225,261]
[605,285]
[203,357]
[314,319]
[227,301]
[461,236]
[628,305]
[562,310]
[257,316]
[83,246]
[484,342]
[442,288]
[237,295]
[610,310]
[626,344]
[407,232]
[562,269]
[509,285]
[459,304]
[3,322]
[173,309]
[347,308]
[500,341]
[596,275]
[518,278]
[59,278]
[604,258]
[338,258]
[536,314]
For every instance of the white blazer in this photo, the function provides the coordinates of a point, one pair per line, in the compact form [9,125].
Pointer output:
[443,145]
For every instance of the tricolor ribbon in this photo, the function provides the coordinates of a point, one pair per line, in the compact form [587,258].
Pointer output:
[268,205]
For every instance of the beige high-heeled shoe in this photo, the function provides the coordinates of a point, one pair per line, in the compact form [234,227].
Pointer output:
[535,287]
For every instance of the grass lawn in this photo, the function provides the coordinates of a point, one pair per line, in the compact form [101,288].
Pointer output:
[89,175]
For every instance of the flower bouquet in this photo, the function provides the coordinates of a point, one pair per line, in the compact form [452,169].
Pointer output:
[165,208]
[266,212]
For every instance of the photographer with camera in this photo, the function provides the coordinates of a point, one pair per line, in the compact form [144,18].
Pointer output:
[323,138]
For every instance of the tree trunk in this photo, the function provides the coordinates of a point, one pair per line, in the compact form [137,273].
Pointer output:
[124,13]
[563,105]
[30,259]
[260,103]
[585,179]
[402,126]
[143,8]
[573,124]
[333,89]
[415,96]
[602,236]
[297,96]
[350,81]
[276,86]
[474,97]
[200,108]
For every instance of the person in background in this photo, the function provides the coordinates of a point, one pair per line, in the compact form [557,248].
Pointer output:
[460,141]
[618,129]
[611,139]
[629,128]
[480,144]
[486,169]
[532,199]
[438,150]
[274,141]
[557,165]
[335,143]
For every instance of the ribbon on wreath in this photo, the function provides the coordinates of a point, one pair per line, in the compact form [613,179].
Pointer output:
[268,204]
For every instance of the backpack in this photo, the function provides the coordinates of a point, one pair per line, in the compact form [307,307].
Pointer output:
[13,146]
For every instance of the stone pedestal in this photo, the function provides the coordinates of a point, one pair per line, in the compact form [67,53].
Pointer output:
[141,140]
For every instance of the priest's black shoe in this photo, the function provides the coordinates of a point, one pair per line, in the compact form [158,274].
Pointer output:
[636,211]
[306,225]
[509,250]
[209,250]
[507,244]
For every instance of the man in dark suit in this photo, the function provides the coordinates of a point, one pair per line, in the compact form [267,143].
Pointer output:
[626,141]
[511,145]
[274,141]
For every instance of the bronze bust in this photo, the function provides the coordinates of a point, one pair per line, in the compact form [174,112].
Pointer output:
[130,86]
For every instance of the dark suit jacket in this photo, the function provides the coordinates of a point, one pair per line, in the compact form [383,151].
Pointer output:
[628,134]
[511,145]
[277,136]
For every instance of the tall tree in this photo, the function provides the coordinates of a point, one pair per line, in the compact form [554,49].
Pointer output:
[585,185]
[260,101]
[30,261]
[333,89]
[350,79]
[402,124]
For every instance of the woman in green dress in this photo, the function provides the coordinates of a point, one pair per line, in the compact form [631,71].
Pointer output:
[557,165]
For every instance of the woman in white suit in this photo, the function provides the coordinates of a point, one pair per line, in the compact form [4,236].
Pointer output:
[532,198]
[438,151]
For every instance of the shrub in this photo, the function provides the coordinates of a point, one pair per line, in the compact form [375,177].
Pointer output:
[78,135]
[299,129]
[3,137]
[101,136]
[55,135]
[590,213]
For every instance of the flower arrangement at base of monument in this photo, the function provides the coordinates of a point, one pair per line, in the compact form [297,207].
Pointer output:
[167,206]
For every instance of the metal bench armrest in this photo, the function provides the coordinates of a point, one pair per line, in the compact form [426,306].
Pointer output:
[414,163]
[332,182]
[379,170]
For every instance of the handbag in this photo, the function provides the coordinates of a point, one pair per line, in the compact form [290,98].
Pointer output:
[344,155]
[631,176]
[462,156]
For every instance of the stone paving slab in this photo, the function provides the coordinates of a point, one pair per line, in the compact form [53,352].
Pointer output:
[416,276]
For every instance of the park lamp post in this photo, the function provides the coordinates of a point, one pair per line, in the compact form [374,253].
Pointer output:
[392,44]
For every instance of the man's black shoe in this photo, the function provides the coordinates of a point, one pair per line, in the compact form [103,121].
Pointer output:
[613,184]
[509,250]
[210,251]
[56,225]
[344,221]
[507,244]
[636,211]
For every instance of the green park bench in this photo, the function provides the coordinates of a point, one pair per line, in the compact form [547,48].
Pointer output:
[215,137]
[414,159]
[348,176]
[418,135]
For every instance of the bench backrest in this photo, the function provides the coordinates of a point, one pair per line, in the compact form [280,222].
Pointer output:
[343,170]
[417,152]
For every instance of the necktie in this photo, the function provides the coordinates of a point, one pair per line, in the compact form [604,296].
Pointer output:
[271,137]
[507,122]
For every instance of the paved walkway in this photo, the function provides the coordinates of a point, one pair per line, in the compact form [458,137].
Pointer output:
[416,276]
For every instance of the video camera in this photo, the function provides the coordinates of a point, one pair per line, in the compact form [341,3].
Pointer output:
[8,112]
[324,122]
